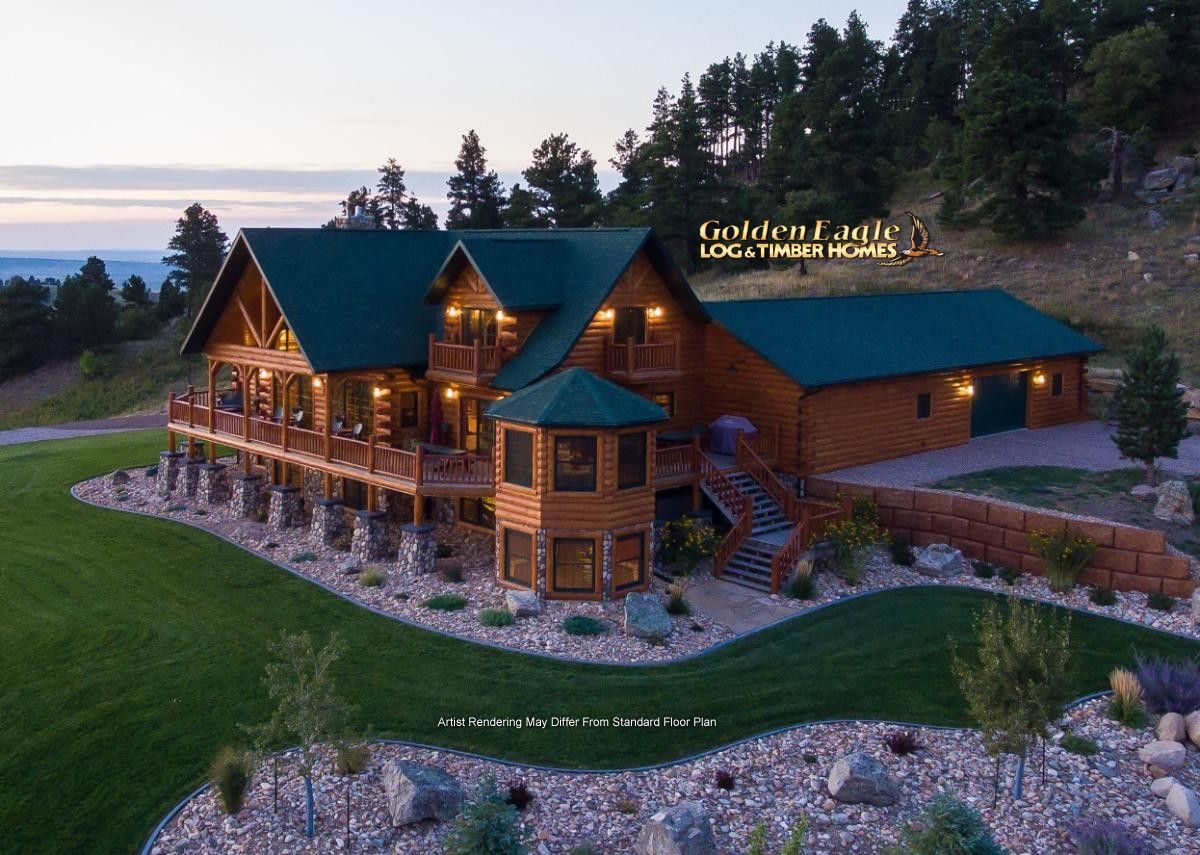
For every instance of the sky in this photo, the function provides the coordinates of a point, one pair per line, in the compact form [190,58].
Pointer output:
[120,114]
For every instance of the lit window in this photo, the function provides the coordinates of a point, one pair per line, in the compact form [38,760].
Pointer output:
[629,561]
[518,458]
[518,557]
[575,464]
[574,565]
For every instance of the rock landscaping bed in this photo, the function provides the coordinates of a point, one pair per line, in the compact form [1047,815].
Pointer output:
[775,779]
[461,596]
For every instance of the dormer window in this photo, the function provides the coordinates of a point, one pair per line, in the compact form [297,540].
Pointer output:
[478,325]
[286,341]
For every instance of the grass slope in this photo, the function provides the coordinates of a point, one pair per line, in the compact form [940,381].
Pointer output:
[133,647]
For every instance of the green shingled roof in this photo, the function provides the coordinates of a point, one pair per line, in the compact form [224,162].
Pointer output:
[820,341]
[576,398]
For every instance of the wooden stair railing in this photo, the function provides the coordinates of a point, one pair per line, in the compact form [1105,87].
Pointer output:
[814,517]
[753,465]
[738,503]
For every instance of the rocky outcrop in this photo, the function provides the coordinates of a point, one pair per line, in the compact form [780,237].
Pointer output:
[681,830]
[415,792]
[861,779]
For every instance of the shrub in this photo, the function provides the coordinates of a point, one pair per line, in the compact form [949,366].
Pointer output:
[585,848]
[677,605]
[176,508]
[1102,596]
[685,542]
[1010,575]
[444,550]
[1126,706]
[496,617]
[344,540]
[697,627]
[1077,744]
[902,742]
[1194,490]
[519,795]
[902,552]
[1169,686]
[947,825]
[446,603]
[724,779]
[627,806]
[372,577]
[852,540]
[756,841]
[983,569]
[403,596]
[488,825]
[450,571]
[230,774]
[303,557]
[810,758]
[802,587]
[1104,837]
[351,759]
[90,365]
[1160,602]
[1064,554]
[584,625]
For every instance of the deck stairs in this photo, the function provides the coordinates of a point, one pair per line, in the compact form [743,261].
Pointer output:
[750,566]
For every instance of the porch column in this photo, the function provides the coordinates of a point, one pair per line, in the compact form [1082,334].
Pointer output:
[370,541]
[328,395]
[212,393]
[246,369]
[327,520]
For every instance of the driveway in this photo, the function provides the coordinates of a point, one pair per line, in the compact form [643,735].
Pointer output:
[1081,445]
[64,431]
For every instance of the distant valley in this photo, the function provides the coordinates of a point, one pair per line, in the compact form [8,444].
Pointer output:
[121,264]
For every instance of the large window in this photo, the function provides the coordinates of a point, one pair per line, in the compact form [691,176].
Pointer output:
[629,561]
[300,397]
[574,566]
[477,432]
[358,406]
[407,410]
[479,325]
[518,457]
[630,323]
[480,512]
[631,460]
[518,557]
[575,464]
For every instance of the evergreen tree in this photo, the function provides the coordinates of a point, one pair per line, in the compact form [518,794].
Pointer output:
[1151,415]
[85,313]
[626,203]
[476,194]
[197,250]
[171,301]
[415,216]
[134,291]
[392,194]
[522,211]
[562,179]
[25,326]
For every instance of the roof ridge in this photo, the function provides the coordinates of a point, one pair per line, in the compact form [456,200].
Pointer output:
[876,295]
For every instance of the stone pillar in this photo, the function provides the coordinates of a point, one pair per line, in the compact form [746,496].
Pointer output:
[212,488]
[247,495]
[287,507]
[191,475]
[169,464]
[418,549]
[327,520]
[370,536]
[606,566]
[541,563]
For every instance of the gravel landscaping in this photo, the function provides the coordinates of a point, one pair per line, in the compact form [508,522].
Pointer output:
[775,778]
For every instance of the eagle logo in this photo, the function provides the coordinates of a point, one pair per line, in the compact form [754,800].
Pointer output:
[918,245]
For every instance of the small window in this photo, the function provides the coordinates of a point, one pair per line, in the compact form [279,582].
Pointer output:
[480,512]
[575,464]
[629,561]
[408,409]
[1056,381]
[631,460]
[666,400]
[574,566]
[924,405]
[518,457]
[518,557]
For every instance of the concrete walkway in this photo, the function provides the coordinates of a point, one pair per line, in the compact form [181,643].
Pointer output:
[741,609]
[1082,445]
[64,431]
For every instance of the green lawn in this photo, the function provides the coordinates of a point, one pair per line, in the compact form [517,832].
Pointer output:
[133,647]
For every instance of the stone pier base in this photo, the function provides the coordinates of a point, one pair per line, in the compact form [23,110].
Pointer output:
[212,487]
[169,464]
[287,507]
[247,495]
[418,549]
[327,520]
[191,475]
[370,536]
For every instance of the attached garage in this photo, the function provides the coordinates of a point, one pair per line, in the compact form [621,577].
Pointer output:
[853,380]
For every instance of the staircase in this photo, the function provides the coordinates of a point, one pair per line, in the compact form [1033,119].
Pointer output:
[750,566]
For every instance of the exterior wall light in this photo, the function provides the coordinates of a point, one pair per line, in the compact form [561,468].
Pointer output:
[969,389]
[451,393]
[317,383]
[264,374]
[379,392]
[452,311]
[656,312]
[1039,379]
[499,314]
[605,315]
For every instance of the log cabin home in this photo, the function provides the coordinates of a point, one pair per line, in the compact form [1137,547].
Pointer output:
[563,389]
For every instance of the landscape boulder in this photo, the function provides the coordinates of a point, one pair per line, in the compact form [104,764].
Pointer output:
[523,603]
[415,793]
[1183,803]
[1175,504]
[939,560]
[1161,786]
[861,779]
[1171,728]
[681,830]
[119,478]
[1191,721]
[349,566]
[1160,179]
[1144,491]
[1165,755]
[645,616]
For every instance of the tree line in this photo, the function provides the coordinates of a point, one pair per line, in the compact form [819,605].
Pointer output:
[85,316]
[1019,107]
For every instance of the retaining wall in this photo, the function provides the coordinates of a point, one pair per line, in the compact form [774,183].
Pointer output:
[1127,558]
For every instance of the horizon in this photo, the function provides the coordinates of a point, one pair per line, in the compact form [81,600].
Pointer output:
[279,129]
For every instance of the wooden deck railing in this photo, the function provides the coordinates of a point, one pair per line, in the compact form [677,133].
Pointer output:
[678,462]
[815,516]
[456,469]
[473,362]
[749,461]
[739,505]
[633,360]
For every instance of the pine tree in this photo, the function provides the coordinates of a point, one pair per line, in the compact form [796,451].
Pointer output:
[1151,415]
[476,194]
[85,313]
[24,326]
[134,291]
[416,216]
[562,179]
[198,248]
[522,210]
[392,194]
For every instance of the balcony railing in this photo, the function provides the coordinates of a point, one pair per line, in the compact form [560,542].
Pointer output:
[633,361]
[468,363]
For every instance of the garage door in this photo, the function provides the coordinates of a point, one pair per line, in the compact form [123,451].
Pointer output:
[999,403]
